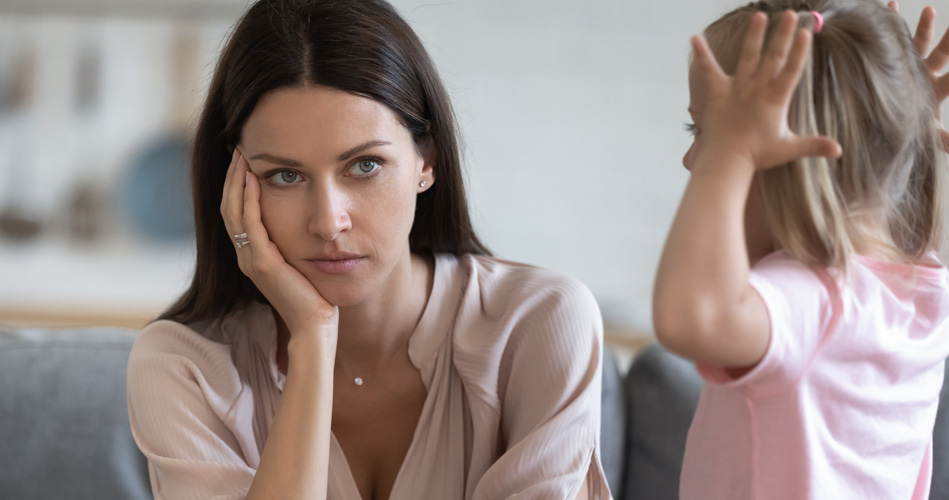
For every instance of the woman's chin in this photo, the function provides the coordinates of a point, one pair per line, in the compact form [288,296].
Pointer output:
[341,294]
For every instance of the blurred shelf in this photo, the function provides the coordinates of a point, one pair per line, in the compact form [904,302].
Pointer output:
[53,284]
[177,9]
[43,317]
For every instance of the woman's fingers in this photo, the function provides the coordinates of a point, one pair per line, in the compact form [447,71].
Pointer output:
[231,199]
[894,6]
[228,180]
[263,250]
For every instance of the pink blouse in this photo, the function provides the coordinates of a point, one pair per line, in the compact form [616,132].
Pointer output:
[510,356]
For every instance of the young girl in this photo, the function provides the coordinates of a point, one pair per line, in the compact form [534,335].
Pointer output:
[800,273]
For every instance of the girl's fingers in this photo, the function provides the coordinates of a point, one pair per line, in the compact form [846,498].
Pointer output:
[894,6]
[939,57]
[941,86]
[924,31]
[791,73]
[751,51]
[821,147]
[779,46]
[805,147]
[708,65]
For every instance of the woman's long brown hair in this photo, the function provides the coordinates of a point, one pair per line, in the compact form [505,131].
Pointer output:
[359,46]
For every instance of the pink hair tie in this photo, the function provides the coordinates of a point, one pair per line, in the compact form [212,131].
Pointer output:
[820,21]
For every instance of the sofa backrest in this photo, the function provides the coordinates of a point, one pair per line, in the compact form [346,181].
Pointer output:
[63,418]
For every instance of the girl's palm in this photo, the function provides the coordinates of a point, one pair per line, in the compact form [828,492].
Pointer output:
[746,114]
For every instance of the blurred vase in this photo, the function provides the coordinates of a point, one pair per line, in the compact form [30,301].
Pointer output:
[154,196]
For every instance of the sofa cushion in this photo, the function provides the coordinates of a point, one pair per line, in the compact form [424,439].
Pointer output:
[65,429]
[663,392]
[940,483]
[613,424]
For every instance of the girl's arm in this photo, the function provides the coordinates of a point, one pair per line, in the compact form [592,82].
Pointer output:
[295,460]
[703,306]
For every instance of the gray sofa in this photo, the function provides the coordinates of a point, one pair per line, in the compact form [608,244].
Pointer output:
[65,432]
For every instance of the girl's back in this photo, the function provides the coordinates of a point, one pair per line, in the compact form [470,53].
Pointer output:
[845,397]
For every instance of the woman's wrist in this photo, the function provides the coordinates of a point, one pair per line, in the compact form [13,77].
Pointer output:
[313,346]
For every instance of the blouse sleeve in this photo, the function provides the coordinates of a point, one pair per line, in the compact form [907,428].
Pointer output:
[177,417]
[549,390]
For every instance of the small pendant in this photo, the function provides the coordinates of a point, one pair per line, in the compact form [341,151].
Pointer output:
[358,381]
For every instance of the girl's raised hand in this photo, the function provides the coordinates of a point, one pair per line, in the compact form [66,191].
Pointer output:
[936,62]
[297,301]
[746,114]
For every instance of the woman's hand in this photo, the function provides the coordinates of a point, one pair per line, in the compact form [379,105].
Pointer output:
[296,300]
[746,114]
[935,62]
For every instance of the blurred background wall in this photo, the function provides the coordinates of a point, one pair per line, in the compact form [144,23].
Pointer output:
[571,113]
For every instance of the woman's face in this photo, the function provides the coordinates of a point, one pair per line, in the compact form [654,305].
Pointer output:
[338,175]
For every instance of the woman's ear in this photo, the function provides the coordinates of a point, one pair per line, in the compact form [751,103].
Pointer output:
[429,157]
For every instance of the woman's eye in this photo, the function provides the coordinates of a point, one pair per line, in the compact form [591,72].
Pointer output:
[364,167]
[285,177]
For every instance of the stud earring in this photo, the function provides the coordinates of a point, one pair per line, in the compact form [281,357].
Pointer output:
[421,184]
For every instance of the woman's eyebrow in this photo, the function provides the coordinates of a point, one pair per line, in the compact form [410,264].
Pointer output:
[287,162]
[356,150]
[276,159]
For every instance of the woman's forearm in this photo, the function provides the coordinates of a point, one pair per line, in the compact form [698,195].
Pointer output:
[295,460]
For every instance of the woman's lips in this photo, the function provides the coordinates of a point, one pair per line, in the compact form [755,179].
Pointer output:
[341,265]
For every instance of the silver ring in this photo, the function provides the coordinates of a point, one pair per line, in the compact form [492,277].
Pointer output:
[241,240]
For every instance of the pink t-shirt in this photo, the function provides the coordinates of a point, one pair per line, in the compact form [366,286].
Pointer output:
[843,404]
[509,354]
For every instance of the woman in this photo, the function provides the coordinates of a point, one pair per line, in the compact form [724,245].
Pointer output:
[346,334]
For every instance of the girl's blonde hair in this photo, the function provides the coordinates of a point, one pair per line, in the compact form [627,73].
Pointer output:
[866,87]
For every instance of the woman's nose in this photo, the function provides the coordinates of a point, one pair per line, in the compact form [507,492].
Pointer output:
[329,212]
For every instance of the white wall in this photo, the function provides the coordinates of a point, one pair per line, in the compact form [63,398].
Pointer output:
[571,112]
[573,116]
